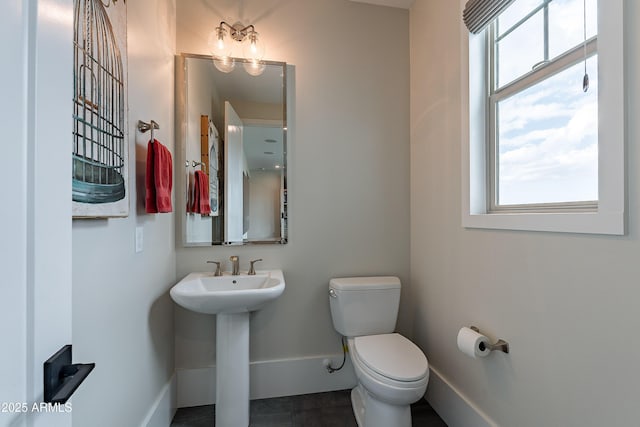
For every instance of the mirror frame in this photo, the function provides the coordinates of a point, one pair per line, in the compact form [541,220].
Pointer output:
[181,160]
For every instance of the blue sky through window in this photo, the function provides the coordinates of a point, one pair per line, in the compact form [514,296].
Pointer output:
[547,134]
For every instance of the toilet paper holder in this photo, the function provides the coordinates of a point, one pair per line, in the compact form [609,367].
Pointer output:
[501,345]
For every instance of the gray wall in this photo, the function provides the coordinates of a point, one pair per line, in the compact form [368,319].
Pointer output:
[349,156]
[567,303]
[122,313]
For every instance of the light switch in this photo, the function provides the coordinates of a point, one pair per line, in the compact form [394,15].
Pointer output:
[139,239]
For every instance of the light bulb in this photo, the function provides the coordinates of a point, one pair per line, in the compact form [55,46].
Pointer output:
[219,45]
[253,47]
[253,67]
[225,64]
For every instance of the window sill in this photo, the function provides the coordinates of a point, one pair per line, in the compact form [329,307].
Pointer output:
[565,222]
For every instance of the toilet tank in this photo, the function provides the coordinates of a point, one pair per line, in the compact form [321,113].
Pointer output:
[364,305]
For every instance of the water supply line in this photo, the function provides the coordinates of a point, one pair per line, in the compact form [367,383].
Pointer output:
[327,362]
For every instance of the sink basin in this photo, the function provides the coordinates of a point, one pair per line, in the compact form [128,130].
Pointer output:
[209,294]
[230,298]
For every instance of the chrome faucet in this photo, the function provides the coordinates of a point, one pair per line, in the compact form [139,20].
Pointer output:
[252,271]
[218,272]
[235,265]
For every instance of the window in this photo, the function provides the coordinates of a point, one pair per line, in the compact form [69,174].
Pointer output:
[542,153]
[544,138]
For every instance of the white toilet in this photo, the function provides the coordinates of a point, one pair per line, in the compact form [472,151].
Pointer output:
[392,371]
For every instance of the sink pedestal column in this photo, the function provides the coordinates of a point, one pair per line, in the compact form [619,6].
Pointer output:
[232,369]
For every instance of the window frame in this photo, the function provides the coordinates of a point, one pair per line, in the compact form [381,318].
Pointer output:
[496,94]
[605,217]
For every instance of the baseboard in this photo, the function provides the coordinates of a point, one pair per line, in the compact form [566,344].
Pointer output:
[164,407]
[269,378]
[452,406]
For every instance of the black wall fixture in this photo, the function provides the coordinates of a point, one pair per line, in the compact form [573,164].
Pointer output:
[61,377]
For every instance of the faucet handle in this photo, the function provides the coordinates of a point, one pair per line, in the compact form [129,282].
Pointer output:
[218,272]
[252,270]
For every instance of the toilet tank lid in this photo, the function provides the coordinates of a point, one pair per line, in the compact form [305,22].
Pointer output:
[360,283]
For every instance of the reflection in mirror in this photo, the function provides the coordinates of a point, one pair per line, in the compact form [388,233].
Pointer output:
[232,129]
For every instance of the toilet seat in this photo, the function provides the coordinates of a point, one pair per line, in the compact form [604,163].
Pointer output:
[392,356]
[384,388]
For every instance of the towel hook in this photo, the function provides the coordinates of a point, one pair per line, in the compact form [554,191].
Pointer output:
[193,164]
[144,127]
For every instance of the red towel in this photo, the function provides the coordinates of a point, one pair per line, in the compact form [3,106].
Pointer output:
[202,191]
[190,186]
[159,178]
[149,183]
[163,165]
[195,194]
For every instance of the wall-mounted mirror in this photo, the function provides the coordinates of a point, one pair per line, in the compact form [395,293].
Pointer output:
[231,130]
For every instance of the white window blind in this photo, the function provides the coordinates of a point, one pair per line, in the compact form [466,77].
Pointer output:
[478,14]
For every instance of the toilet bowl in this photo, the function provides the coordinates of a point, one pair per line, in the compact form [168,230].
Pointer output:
[392,371]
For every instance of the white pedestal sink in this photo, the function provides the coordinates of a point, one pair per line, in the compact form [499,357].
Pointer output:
[231,299]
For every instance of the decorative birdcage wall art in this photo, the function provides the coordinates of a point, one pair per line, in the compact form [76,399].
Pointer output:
[100,149]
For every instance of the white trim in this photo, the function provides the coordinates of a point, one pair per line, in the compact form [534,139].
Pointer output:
[49,60]
[610,217]
[164,407]
[14,225]
[452,406]
[268,378]
[267,123]
[401,4]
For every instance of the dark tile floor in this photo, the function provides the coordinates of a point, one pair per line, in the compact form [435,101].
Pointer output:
[332,409]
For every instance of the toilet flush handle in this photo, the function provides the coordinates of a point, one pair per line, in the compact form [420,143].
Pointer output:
[332,293]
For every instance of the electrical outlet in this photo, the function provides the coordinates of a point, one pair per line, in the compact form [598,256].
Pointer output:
[139,239]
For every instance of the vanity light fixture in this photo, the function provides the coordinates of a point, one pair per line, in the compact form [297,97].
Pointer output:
[226,41]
